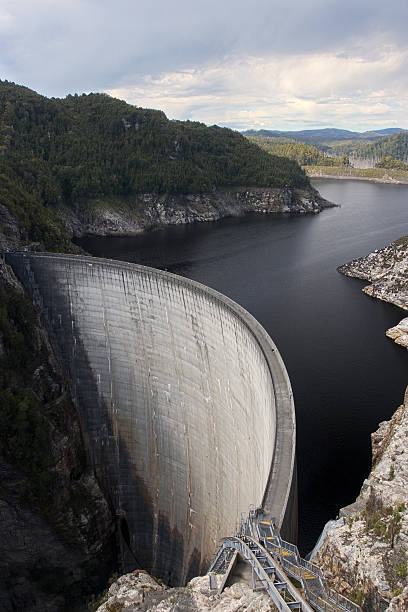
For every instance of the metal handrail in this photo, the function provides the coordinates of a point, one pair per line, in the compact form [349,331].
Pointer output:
[330,596]
[272,579]
[316,591]
[266,582]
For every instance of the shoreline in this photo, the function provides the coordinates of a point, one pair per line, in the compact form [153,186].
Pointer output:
[386,271]
[386,180]
[143,212]
[360,552]
[151,211]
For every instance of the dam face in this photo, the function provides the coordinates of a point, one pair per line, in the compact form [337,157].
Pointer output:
[185,404]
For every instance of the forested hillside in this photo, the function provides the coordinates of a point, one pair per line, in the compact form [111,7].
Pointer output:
[65,151]
[308,147]
[304,154]
[395,146]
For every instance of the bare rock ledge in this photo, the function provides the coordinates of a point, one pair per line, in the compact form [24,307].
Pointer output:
[387,271]
[149,211]
[140,591]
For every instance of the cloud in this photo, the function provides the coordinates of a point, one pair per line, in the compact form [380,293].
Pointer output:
[63,46]
[6,20]
[199,55]
[314,89]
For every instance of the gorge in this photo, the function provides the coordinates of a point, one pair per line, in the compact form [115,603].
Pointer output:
[185,405]
[283,270]
[347,377]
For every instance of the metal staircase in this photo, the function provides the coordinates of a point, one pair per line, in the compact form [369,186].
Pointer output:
[317,593]
[266,574]
[272,561]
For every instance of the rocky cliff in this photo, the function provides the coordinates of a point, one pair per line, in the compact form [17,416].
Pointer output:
[56,526]
[387,271]
[94,149]
[140,591]
[130,216]
[364,553]
[149,210]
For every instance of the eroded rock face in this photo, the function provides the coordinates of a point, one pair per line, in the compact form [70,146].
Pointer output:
[9,230]
[140,591]
[57,541]
[387,271]
[136,214]
[400,602]
[399,333]
[149,210]
[365,553]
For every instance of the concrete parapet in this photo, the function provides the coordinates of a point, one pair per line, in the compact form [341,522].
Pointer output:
[185,404]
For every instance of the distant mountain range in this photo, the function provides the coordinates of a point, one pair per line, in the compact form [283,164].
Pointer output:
[325,135]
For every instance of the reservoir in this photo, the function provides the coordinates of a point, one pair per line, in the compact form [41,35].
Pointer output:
[346,375]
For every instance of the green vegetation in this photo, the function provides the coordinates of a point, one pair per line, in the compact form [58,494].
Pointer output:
[65,152]
[37,223]
[395,146]
[364,173]
[36,419]
[304,154]
[391,162]
[103,597]
[384,522]
[24,433]
[326,136]
[338,143]
[358,596]
[401,569]
[401,241]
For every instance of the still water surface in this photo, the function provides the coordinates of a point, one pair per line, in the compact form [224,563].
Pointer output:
[346,375]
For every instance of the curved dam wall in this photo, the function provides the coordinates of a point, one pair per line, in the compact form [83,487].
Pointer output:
[185,404]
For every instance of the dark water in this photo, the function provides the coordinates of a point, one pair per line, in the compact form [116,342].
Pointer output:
[346,375]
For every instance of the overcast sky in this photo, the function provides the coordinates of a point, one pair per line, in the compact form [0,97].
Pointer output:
[243,64]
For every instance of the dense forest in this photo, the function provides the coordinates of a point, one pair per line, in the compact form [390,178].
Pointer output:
[394,145]
[67,151]
[391,163]
[304,154]
[331,147]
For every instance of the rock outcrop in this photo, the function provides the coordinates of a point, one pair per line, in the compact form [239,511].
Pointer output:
[365,553]
[149,210]
[139,591]
[10,237]
[399,333]
[131,216]
[57,544]
[387,271]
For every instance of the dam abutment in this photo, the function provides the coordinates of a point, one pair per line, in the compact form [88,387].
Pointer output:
[185,404]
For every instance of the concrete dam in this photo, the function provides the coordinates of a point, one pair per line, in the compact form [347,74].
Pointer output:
[185,405]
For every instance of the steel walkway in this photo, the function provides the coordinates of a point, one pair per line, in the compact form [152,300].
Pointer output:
[266,574]
[272,560]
